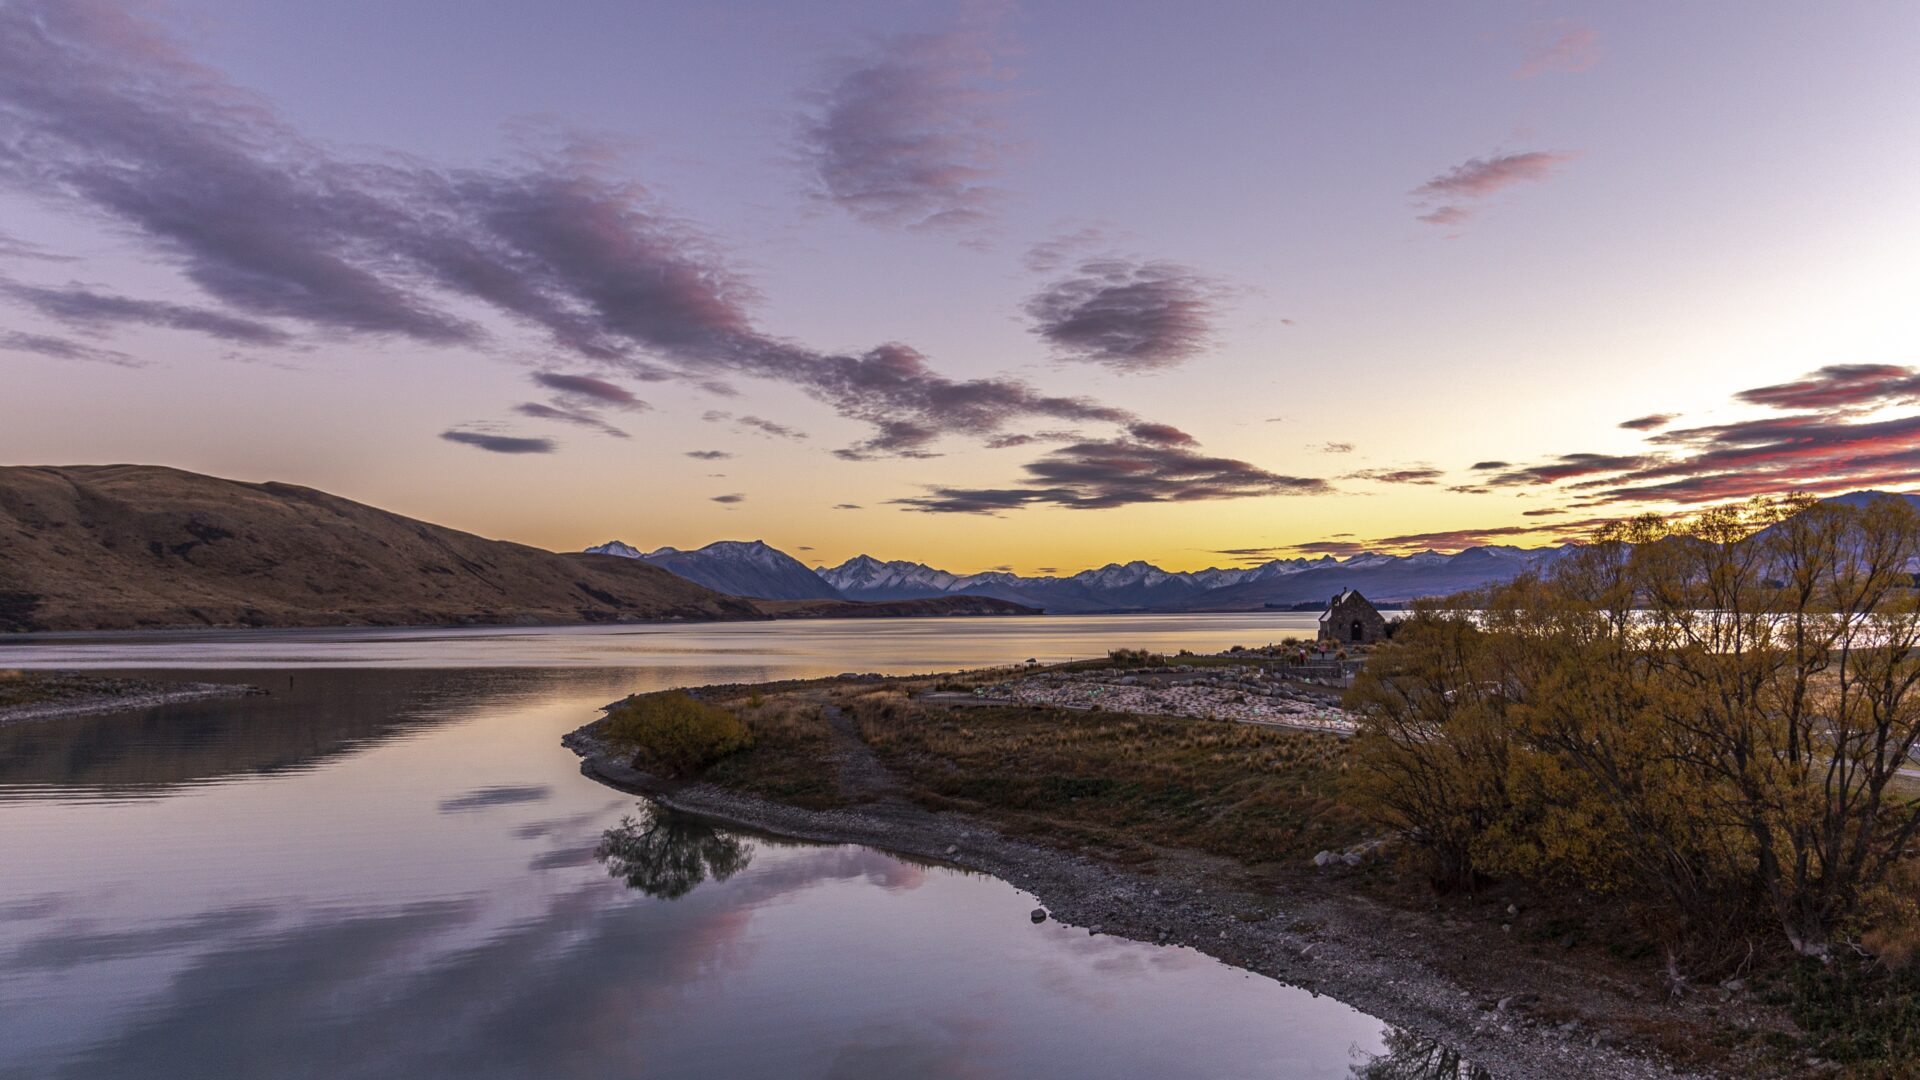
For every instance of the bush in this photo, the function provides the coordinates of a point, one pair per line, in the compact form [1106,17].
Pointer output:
[674,734]
[1135,658]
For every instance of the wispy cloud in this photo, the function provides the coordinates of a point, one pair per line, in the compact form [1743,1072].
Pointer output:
[59,348]
[913,134]
[1841,386]
[1127,315]
[1055,252]
[1478,178]
[730,499]
[1649,422]
[95,312]
[1416,474]
[500,444]
[709,455]
[1559,46]
[580,417]
[589,389]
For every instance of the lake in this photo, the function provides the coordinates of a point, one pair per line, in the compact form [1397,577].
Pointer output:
[388,866]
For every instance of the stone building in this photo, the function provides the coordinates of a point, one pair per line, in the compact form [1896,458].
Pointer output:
[1351,620]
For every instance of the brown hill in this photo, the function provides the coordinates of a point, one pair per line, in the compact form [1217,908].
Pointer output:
[111,547]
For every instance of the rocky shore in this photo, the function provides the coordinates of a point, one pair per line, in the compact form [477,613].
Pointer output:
[1378,959]
[58,695]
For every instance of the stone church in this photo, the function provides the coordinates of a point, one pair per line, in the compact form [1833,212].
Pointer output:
[1351,620]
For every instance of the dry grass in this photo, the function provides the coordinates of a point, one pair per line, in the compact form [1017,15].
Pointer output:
[1121,783]
[791,757]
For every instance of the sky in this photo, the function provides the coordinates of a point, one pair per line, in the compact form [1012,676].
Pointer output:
[1032,286]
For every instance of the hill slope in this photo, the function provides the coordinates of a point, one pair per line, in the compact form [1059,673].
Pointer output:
[134,546]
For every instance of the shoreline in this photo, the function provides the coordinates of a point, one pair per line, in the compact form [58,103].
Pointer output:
[145,696]
[1327,944]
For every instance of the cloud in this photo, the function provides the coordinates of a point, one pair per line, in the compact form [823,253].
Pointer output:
[58,348]
[1419,474]
[912,135]
[95,312]
[709,455]
[846,506]
[1479,178]
[1453,540]
[781,431]
[102,114]
[12,247]
[568,416]
[1446,214]
[730,500]
[587,388]
[1339,548]
[1161,434]
[1562,468]
[1841,386]
[1817,441]
[500,444]
[1101,475]
[1049,255]
[1130,316]
[1649,422]
[1559,46]
[1336,448]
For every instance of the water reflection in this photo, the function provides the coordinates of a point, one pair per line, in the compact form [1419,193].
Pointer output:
[1410,1057]
[665,855]
[402,873]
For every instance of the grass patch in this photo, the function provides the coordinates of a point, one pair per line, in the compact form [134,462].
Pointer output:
[1119,780]
[791,756]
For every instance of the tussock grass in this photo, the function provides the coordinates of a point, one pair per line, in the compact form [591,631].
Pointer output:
[1121,781]
[790,759]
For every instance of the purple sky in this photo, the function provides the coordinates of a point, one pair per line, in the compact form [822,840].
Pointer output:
[974,284]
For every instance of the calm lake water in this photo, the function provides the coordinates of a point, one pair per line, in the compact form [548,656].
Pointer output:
[387,867]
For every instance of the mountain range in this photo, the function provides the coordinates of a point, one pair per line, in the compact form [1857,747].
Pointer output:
[740,568]
[756,569]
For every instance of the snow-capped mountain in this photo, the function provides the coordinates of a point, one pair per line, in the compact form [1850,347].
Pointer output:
[738,567]
[1141,586]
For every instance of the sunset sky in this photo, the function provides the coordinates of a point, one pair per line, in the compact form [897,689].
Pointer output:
[1039,286]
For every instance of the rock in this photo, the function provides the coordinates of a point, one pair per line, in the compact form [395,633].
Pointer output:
[1351,858]
[953,849]
[1513,909]
[1039,915]
[1324,858]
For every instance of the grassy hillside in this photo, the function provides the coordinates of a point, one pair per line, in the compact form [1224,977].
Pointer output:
[114,547]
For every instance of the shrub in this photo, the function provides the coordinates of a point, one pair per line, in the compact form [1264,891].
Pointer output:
[674,734]
[1135,658]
